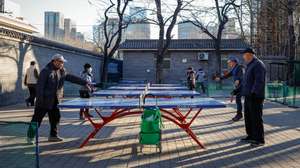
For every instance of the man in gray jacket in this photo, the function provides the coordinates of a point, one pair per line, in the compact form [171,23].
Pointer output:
[48,91]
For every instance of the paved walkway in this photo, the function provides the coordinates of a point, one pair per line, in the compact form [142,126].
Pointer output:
[116,144]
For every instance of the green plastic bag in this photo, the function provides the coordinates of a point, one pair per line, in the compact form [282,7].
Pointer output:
[33,126]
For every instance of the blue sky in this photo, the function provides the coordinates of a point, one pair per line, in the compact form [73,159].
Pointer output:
[80,11]
[84,14]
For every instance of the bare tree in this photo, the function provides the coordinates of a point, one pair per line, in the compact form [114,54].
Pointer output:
[221,12]
[164,38]
[112,31]
[246,14]
[166,22]
[290,6]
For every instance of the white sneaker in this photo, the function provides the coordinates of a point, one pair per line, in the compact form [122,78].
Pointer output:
[30,141]
[54,139]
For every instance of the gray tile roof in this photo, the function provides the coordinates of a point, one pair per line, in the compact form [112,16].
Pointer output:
[184,44]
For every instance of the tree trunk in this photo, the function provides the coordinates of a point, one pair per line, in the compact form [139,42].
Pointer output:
[218,56]
[160,57]
[160,45]
[104,69]
[159,68]
[291,47]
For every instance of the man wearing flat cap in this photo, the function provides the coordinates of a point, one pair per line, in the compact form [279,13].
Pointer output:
[48,90]
[253,88]
[236,73]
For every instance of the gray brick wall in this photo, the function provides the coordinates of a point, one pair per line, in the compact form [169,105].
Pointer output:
[136,63]
[15,57]
[178,67]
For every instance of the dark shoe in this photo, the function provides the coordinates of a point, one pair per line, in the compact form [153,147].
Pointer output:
[247,140]
[89,115]
[81,118]
[54,139]
[237,117]
[27,103]
[30,141]
[257,144]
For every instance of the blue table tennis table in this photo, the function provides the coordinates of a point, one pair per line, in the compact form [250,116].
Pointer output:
[149,93]
[151,84]
[150,88]
[132,81]
[171,110]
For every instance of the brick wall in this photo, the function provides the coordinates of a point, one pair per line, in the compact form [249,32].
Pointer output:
[136,63]
[139,66]
[15,57]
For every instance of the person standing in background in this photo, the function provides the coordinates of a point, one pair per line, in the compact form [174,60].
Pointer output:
[31,78]
[201,78]
[191,78]
[85,92]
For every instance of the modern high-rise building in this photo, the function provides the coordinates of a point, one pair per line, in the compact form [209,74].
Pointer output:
[11,19]
[137,13]
[187,30]
[96,33]
[139,28]
[69,25]
[1,6]
[230,31]
[9,7]
[54,25]
[98,30]
[73,32]
[80,37]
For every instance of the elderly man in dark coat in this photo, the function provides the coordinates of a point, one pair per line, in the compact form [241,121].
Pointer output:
[253,88]
[49,88]
[237,74]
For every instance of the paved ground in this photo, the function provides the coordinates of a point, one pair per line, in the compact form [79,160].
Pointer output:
[116,144]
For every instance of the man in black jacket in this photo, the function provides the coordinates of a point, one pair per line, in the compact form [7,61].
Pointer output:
[253,88]
[48,91]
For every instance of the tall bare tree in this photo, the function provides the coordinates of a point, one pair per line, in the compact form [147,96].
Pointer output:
[246,13]
[221,12]
[290,6]
[166,15]
[113,31]
[164,38]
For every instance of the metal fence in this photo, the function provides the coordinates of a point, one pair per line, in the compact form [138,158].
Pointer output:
[286,92]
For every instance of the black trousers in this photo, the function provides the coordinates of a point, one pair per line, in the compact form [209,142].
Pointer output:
[53,114]
[253,118]
[238,101]
[202,86]
[84,94]
[32,93]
